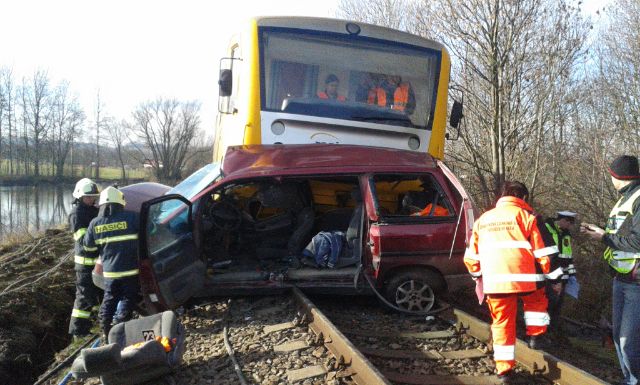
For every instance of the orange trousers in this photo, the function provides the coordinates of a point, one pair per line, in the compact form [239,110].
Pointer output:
[504,308]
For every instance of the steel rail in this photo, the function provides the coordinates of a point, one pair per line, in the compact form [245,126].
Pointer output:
[538,362]
[361,370]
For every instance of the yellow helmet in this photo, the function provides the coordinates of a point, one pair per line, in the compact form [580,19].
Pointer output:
[111,195]
[85,187]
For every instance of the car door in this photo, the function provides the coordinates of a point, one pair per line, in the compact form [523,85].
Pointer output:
[171,270]
[396,241]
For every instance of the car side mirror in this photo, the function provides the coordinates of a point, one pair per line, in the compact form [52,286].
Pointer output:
[225,82]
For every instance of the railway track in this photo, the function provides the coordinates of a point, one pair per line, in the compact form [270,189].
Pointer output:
[287,340]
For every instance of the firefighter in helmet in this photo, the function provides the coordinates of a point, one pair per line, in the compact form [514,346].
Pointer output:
[87,294]
[114,233]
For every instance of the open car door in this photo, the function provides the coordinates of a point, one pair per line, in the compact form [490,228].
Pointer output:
[171,270]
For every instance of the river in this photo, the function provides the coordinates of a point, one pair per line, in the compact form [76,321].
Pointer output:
[33,209]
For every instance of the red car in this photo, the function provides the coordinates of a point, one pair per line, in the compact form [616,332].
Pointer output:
[334,219]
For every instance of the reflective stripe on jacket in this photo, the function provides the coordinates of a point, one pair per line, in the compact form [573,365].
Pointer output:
[79,220]
[619,219]
[116,238]
[508,249]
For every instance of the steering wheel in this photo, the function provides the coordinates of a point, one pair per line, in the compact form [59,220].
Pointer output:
[225,215]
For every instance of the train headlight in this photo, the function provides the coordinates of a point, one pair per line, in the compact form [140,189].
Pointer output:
[414,143]
[277,128]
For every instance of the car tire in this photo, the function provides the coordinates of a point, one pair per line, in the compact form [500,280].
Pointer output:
[413,291]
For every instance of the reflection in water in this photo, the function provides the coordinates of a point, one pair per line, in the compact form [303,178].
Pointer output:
[33,209]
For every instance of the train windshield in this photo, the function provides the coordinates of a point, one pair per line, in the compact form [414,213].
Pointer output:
[348,77]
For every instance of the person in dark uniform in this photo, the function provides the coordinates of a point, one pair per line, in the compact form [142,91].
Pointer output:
[560,229]
[115,235]
[87,294]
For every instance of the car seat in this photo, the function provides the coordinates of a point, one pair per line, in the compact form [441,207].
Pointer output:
[351,253]
[138,350]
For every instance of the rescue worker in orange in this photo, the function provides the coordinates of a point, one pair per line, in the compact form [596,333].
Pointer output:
[331,85]
[433,208]
[511,255]
[394,94]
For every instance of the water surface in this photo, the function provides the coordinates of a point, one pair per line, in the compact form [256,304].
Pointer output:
[29,209]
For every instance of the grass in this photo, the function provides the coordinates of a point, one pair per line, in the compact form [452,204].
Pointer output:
[47,170]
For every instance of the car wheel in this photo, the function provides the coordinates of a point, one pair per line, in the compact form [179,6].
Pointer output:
[413,291]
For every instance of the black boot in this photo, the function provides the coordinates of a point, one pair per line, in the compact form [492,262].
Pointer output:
[507,377]
[539,342]
[104,337]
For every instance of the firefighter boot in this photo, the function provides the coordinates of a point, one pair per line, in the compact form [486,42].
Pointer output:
[105,335]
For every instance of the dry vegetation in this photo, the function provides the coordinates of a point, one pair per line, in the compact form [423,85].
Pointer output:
[36,292]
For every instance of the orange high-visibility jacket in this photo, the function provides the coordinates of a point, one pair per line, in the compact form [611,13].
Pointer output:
[400,97]
[508,250]
[324,95]
[439,211]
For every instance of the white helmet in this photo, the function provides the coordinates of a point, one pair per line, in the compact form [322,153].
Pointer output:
[85,187]
[111,195]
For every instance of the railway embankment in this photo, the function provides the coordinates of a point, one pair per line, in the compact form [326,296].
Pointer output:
[36,294]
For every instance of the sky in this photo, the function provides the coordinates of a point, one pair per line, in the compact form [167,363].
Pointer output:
[131,51]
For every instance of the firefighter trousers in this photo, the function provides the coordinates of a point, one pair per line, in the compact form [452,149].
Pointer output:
[87,296]
[120,298]
[504,309]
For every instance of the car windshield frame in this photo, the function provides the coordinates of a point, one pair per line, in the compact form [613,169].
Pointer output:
[198,181]
[426,73]
[189,188]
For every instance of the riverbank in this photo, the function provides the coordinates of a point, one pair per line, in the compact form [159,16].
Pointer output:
[36,295]
[28,180]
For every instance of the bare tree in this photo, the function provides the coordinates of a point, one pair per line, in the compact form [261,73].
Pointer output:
[66,120]
[98,123]
[7,85]
[167,127]
[36,106]
[117,132]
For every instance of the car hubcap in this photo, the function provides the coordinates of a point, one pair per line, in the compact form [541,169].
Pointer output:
[415,296]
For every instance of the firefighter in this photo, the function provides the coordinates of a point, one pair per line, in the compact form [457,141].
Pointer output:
[560,229]
[87,294]
[508,252]
[622,238]
[115,235]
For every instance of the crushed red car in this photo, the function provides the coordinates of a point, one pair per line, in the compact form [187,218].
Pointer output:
[320,217]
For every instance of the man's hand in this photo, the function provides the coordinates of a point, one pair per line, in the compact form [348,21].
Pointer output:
[594,232]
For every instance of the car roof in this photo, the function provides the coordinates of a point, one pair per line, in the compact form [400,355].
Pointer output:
[320,159]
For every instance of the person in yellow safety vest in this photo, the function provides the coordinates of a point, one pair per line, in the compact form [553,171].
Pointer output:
[88,295]
[560,229]
[331,85]
[622,238]
[115,234]
[395,94]
[509,253]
